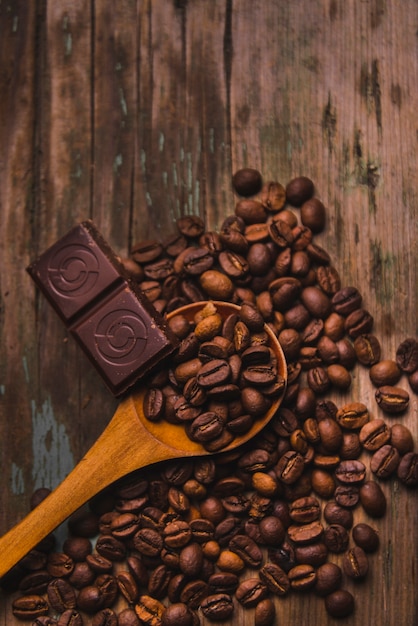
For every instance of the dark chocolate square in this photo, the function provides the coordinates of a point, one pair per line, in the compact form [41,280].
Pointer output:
[121,338]
[74,271]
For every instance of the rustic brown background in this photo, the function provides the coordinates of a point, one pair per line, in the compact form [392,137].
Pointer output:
[136,112]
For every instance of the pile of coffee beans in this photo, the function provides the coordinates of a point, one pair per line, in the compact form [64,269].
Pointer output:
[194,539]
[223,377]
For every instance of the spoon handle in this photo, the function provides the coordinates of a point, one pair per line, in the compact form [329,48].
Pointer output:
[124,446]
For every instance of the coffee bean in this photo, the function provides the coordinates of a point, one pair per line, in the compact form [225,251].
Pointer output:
[70,618]
[407,355]
[29,607]
[299,190]
[351,472]
[328,578]
[247,181]
[352,416]
[346,300]
[368,350]
[250,592]
[336,538]
[312,215]
[302,577]
[401,438]
[355,563]
[393,400]
[407,471]
[265,613]
[374,435]
[61,595]
[386,372]
[149,610]
[385,461]
[217,607]
[339,603]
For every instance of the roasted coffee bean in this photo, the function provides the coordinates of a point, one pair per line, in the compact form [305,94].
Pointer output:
[61,595]
[77,548]
[314,554]
[159,580]
[70,618]
[299,190]
[111,548]
[373,499]
[250,592]
[312,215]
[385,461]
[336,538]
[392,399]
[206,427]
[368,350]
[316,301]
[328,279]
[265,613]
[176,534]
[330,434]
[217,607]
[89,599]
[246,549]
[401,438]
[99,564]
[247,181]
[407,355]
[346,300]
[35,583]
[351,472]
[355,563]
[323,483]
[339,603]
[352,416]
[305,533]
[148,542]
[272,530]
[366,537]
[273,196]
[336,514]
[178,614]
[302,577]
[290,467]
[305,510]
[127,586]
[275,579]
[359,322]
[59,564]
[374,435]
[347,495]
[81,575]
[328,578]
[149,610]
[30,607]
[386,372]
[407,470]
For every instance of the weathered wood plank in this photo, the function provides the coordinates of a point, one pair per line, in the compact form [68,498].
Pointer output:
[137,112]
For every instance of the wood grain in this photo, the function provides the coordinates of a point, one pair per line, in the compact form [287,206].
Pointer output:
[137,112]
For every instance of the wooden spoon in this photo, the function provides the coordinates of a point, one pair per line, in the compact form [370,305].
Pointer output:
[128,443]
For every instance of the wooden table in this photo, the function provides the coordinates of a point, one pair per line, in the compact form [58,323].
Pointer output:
[135,113]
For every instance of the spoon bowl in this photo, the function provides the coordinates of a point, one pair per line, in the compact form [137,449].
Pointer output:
[129,442]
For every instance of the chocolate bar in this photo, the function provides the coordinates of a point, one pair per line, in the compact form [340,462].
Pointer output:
[118,328]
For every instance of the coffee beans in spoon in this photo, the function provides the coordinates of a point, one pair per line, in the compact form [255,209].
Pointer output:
[223,377]
[202,540]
